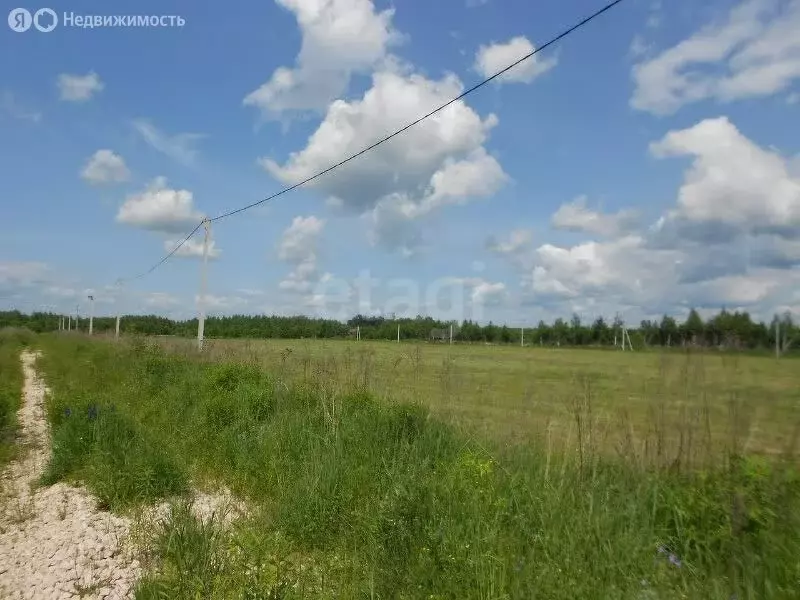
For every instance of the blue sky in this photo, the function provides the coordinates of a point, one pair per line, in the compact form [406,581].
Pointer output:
[645,164]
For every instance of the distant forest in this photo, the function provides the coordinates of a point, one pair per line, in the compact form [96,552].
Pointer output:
[733,330]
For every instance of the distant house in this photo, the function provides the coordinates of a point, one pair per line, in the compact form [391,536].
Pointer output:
[439,335]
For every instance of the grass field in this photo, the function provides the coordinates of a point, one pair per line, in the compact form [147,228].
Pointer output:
[649,484]
[676,399]
[11,343]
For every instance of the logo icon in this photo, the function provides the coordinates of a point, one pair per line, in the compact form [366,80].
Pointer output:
[45,25]
[19,19]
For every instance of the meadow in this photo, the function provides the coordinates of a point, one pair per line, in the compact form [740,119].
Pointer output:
[675,402]
[379,470]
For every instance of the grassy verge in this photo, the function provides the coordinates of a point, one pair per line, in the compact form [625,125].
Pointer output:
[12,341]
[353,498]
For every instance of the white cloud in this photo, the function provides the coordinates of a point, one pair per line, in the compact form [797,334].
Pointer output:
[23,273]
[105,167]
[393,218]
[496,57]
[577,216]
[439,162]
[340,38]
[517,248]
[160,300]
[11,105]
[479,291]
[609,269]
[732,238]
[192,248]
[298,248]
[221,303]
[488,293]
[754,52]
[732,182]
[79,88]
[181,147]
[639,47]
[160,208]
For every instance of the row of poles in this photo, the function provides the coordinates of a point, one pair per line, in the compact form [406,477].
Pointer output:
[65,322]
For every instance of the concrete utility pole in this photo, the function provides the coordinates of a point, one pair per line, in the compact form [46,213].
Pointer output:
[91,314]
[201,321]
[451,333]
[398,333]
[69,322]
[116,330]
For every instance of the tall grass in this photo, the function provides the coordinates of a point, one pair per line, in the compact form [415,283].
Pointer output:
[12,341]
[355,498]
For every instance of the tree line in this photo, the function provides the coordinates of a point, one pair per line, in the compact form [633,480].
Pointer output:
[731,330]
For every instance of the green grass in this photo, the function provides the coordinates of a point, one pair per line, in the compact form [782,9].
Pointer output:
[12,341]
[518,394]
[353,496]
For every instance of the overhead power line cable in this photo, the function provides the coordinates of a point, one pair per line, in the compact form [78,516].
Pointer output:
[478,85]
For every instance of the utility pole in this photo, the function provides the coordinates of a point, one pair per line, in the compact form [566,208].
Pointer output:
[451,333]
[118,285]
[398,333]
[91,314]
[69,322]
[777,337]
[521,337]
[201,320]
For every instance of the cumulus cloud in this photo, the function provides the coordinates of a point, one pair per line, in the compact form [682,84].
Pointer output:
[340,38]
[298,248]
[482,292]
[192,248]
[577,216]
[79,88]
[753,52]
[496,57]
[181,147]
[394,217]
[732,238]
[105,166]
[439,162]
[159,208]
[732,183]
[517,247]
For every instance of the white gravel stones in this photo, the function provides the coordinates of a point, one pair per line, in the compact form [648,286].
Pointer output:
[54,542]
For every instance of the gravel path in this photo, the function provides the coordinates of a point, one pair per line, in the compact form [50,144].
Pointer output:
[54,543]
